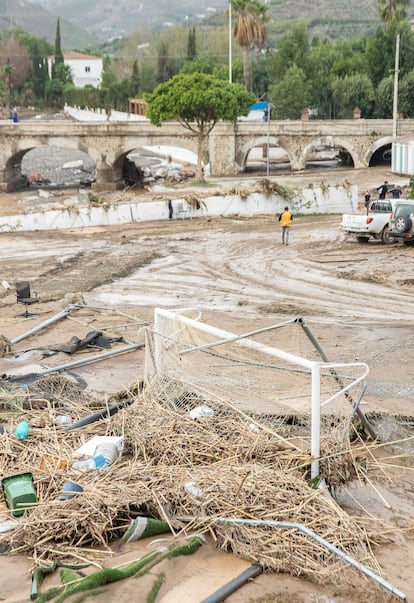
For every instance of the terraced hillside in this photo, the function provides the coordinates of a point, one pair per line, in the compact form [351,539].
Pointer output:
[327,18]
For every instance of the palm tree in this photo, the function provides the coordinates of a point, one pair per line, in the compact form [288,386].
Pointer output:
[388,9]
[249,30]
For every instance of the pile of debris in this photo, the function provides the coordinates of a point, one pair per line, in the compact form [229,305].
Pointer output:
[171,467]
[145,172]
[161,451]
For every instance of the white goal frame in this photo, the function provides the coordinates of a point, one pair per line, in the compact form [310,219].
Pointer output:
[178,317]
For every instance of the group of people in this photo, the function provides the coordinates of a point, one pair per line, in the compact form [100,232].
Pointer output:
[383,190]
[286,218]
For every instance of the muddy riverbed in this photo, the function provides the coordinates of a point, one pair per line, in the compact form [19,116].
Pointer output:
[358,300]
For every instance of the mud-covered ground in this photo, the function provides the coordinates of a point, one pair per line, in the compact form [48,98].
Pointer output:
[357,298]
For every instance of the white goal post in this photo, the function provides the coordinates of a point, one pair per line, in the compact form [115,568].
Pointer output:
[169,326]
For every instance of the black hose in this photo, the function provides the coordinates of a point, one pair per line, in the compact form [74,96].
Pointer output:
[233,585]
[97,416]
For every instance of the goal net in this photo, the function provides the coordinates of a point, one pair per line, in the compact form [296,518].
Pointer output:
[271,381]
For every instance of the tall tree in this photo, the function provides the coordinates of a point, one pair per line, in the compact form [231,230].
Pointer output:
[58,49]
[191,45]
[292,49]
[392,9]
[165,68]
[134,82]
[354,91]
[406,95]
[198,101]
[384,98]
[291,94]
[249,30]
[13,55]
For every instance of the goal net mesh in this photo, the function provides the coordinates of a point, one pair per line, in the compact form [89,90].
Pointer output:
[242,387]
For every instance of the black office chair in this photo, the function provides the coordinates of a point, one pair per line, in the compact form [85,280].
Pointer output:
[24,297]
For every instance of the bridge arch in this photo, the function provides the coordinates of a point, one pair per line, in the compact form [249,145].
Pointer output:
[130,144]
[333,142]
[18,172]
[384,143]
[272,141]
[110,166]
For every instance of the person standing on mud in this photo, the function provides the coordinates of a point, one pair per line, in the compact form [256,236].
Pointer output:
[285,219]
[367,201]
[383,190]
[396,192]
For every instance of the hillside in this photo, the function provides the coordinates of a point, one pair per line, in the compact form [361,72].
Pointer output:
[110,19]
[40,22]
[85,22]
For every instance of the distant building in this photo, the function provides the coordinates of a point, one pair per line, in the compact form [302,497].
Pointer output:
[86,69]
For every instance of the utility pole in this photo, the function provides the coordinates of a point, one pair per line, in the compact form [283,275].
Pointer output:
[395,100]
[230,48]
[268,139]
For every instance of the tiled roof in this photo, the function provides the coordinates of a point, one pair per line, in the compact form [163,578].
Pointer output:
[73,55]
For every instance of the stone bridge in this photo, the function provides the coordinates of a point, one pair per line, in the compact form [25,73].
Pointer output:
[227,148]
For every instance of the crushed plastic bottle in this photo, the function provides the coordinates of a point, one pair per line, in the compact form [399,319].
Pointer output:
[191,488]
[62,420]
[93,464]
[201,412]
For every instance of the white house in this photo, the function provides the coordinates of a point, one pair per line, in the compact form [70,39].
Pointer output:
[86,69]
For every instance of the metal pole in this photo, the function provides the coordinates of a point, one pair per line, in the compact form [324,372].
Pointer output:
[44,324]
[230,47]
[316,420]
[89,360]
[268,139]
[395,100]
[237,337]
[317,538]
[367,426]
[221,334]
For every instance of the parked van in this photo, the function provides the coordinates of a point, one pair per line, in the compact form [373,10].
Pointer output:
[402,221]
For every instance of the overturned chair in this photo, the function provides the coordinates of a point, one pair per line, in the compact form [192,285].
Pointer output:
[23,296]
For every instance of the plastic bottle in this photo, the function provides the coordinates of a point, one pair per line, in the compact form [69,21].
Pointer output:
[62,420]
[108,450]
[92,464]
[99,461]
[22,430]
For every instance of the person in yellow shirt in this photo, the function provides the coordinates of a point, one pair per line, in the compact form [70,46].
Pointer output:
[285,219]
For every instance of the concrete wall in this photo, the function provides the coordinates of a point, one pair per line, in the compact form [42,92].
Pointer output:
[333,200]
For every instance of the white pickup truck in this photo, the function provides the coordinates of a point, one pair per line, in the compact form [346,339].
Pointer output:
[375,223]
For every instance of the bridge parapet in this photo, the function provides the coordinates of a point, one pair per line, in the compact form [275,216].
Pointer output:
[227,149]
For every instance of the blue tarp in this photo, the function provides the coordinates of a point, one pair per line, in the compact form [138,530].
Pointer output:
[259,106]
